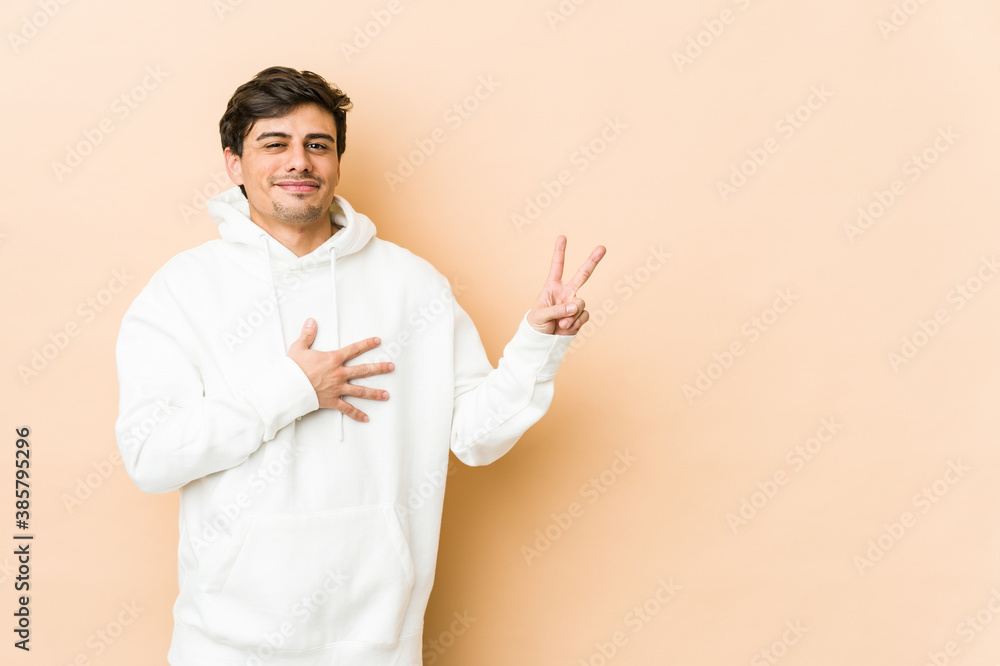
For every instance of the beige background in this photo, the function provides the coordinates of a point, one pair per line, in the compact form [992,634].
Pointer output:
[136,198]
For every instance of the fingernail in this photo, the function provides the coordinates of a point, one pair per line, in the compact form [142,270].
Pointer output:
[310,323]
[392,366]
[378,341]
[571,308]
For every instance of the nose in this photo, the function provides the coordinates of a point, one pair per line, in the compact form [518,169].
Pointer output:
[298,159]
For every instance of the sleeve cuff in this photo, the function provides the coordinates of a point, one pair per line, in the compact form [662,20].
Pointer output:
[544,351]
[280,394]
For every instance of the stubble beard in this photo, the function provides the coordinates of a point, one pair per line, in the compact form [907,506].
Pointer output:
[297,214]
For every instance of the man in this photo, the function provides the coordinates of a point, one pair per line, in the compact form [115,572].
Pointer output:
[301,381]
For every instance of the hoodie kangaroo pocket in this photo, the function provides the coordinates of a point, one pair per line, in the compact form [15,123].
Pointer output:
[301,581]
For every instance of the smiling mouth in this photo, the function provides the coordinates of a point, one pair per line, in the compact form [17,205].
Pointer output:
[298,186]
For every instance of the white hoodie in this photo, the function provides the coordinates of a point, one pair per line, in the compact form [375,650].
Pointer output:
[306,537]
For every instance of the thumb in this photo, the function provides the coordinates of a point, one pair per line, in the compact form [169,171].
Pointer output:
[556,312]
[307,337]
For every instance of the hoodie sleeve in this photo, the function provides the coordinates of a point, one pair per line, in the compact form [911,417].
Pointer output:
[495,406]
[171,428]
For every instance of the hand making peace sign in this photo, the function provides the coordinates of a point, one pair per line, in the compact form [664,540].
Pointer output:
[557,310]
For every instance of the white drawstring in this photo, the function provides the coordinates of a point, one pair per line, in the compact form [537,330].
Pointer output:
[336,324]
[277,308]
[277,318]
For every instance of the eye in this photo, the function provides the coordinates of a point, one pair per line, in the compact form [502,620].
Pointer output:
[272,145]
[320,146]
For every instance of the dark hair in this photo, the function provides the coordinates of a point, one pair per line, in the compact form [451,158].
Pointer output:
[275,92]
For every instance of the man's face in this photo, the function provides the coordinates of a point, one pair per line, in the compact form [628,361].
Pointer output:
[289,166]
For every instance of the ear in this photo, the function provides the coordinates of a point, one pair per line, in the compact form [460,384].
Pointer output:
[234,166]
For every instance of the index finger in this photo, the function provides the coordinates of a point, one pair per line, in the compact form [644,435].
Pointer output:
[558,259]
[356,348]
[588,267]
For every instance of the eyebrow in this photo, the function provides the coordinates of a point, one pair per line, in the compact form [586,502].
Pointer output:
[283,135]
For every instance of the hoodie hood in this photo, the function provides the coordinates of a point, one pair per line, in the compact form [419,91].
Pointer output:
[230,211]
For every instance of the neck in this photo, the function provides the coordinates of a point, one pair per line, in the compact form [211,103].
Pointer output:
[301,239]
